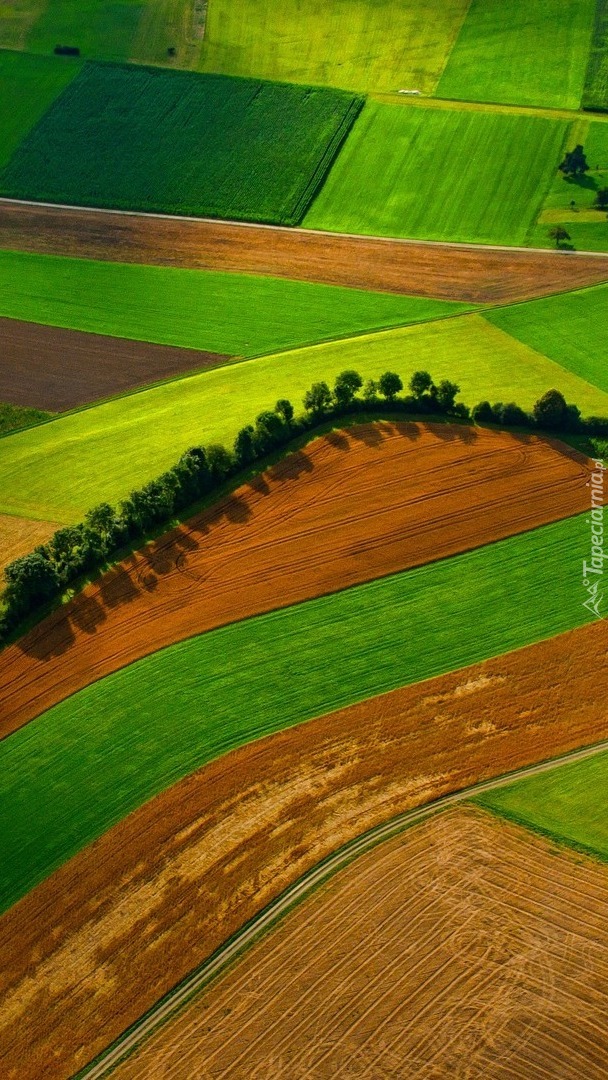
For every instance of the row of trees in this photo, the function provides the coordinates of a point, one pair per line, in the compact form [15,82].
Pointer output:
[42,576]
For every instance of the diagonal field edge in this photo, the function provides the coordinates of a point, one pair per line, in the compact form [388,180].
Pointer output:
[214,966]
[114,745]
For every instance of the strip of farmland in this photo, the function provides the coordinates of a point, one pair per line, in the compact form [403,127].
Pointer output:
[52,368]
[353,506]
[449,272]
[151,899]
[115,744]
[111,448]
[464,948]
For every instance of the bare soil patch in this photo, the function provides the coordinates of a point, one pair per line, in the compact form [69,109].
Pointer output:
[19,535]
[353,506]
[51,368]
[465,948]
[92,948]
[448,272]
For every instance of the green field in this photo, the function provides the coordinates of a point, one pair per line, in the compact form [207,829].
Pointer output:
[156,140]
[112,746]
[362,45]
[569,201]
[56,470]
[595,94]
[569,803]
[571,329]
[526,52]
[18,416]
[108,29]
[30,84]
[238,314]
[440,174]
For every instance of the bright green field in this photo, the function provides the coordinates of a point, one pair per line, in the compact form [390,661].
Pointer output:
[57,470]
[596,82]
[356,44]
[109,748]
[239,314]
[149,139]
[440,174]
[569,202]
[571,328]
[109,29]
[569,803]
[30,84]
[524,52]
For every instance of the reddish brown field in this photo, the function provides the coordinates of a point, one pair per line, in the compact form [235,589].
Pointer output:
[51,368]
[352,506]
[92,948]
[20,535]
[465,948]
[453,272]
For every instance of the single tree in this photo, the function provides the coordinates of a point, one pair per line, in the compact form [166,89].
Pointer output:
[285,410]
[244,446]
[420,383]
[346,385]
[30,581]
[270,431]
[551,411]
[559,234]
[370,391]
[601,199]
[446,395]
[318,399]
[220,462]
[575,162]
[389,385]
[483,413]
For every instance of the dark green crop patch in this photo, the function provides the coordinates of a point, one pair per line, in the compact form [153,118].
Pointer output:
[147,139]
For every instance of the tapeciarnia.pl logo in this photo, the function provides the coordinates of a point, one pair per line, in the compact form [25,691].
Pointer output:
[593,570]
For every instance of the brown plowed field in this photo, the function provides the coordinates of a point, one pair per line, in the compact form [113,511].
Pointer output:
[465,948]
[20,535]
[352,506]
[92,948]
[449,272]
[50,368]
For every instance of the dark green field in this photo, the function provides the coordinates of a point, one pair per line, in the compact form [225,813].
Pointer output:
[595,94]
[147,139]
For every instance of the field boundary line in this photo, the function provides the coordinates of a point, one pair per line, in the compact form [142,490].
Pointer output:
[407,241]
[227,953]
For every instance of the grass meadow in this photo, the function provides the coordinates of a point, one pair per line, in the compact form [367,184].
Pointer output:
[30,84]
[568,803]
[373,45]
[440,174]
[570,328]
[149,139]
[55,471]
[526,52]
[569,201]
[596,83]
[238,314]
[110,747]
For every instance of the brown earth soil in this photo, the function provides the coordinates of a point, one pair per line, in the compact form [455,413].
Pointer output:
[466,948]
[92,948]
[50,368]
[20,535]
[353,506]
[453,272]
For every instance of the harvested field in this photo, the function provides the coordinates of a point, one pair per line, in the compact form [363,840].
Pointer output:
[434,270]
[18,536]
[352,506]
[462,949]
[110,932]
[52,368]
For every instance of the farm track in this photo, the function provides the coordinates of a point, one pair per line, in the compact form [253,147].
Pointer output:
[351,507]
[464,947]
[51,368]
[101,941]
[464,272]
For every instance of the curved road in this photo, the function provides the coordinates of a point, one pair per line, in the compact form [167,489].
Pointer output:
[211,968]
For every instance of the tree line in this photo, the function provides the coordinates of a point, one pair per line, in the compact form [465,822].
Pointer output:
[41,577]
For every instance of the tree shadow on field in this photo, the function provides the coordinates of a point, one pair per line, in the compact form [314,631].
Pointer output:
[372,435]
[292,467]
[453,432]
[585,181]
[338,440]
[51,638]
